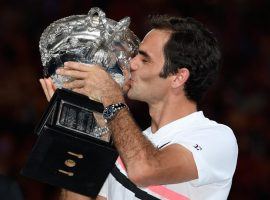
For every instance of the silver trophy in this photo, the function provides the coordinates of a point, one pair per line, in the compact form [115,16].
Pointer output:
[74,149]
[92,39]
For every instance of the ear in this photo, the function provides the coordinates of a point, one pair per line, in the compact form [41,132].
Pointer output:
[180,78]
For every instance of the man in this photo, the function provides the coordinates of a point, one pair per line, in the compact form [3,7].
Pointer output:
[183,155]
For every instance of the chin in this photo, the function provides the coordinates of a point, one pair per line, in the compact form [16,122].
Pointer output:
[131,95]
[134,97]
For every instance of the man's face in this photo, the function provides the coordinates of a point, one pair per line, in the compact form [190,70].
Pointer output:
[145,82]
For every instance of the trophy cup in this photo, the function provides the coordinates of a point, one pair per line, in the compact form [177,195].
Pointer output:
[74,149]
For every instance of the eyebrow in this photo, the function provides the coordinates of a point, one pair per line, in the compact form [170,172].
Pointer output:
[143,53]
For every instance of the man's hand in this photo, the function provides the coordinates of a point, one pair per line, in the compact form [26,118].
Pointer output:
[92,81]
[48,87]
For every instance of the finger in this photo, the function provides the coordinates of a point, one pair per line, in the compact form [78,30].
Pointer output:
[126,74]
[75,84]
[79,66]
[53,86]
[49,86]
[43,85]
[126,87]
[72,73]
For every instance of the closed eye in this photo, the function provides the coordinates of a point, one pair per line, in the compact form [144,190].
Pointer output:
[145,61]
[145,56]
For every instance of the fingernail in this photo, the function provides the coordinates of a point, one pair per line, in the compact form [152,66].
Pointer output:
[58,70]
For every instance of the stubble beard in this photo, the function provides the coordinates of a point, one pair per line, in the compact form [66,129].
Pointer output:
[130,93]
[135,94]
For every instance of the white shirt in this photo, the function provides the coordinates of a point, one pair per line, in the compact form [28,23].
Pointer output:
[214,149]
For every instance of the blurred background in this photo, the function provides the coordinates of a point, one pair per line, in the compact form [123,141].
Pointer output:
[239,99]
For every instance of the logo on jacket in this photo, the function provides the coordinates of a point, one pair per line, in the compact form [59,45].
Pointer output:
[198,147]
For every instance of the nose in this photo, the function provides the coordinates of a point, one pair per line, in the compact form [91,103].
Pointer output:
[134,63]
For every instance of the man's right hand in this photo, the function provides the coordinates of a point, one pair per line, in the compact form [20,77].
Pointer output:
[48,87]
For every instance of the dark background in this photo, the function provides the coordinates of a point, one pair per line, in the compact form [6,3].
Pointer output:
[239,99]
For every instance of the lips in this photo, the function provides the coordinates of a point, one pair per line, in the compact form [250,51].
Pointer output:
[131,81]
[128,83]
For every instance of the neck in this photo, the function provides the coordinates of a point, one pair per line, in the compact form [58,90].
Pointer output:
[170,110]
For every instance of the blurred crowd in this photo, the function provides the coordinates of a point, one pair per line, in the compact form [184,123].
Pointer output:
[239,98]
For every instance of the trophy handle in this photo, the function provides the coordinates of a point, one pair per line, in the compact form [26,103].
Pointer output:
[96,17]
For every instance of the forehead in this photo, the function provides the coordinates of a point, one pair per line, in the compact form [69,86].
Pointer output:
[154,42]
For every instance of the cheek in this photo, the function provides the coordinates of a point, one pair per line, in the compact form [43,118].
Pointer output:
[149,76]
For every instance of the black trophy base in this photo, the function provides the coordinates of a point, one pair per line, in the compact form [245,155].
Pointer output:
[67,158]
